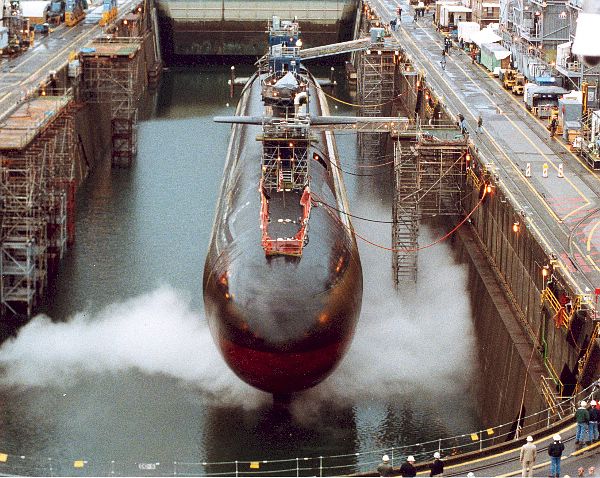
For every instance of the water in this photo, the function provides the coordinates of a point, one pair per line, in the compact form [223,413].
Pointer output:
[125,371]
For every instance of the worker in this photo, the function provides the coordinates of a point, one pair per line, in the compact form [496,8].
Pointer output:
[479,123]
[443,60]
[527,457]
[553,127]
[393,24]
[594,418]
[582,418]
[408,467]
[437,467]
[473,55]
[555,450]
[385,469]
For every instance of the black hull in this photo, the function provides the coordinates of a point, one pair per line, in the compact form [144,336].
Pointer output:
[282,323]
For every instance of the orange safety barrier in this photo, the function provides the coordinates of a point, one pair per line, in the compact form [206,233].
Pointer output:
[291,246]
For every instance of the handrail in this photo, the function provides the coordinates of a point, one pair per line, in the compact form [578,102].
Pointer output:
[331,464]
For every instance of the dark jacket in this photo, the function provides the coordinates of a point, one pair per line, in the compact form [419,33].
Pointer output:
[556,448]
[437,467]
[407,469]
[594,414]
[582,415]
[385,469]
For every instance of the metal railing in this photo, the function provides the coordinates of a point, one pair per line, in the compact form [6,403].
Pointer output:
[323,465]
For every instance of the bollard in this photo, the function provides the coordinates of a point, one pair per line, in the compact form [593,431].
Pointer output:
[545,170]
[528,170]
[561,173]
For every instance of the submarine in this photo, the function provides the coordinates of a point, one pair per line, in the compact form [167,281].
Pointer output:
[282,283]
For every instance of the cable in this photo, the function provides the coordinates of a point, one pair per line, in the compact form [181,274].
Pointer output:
[360,217]
[361,106]
[351,215]
[391,249]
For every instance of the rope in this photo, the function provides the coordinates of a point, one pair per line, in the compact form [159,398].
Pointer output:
[391,249]
[523,395]
[361,106]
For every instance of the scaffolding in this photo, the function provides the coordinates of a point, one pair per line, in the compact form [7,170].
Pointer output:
[429,181]
[37,155]
[376,88]
[111,74]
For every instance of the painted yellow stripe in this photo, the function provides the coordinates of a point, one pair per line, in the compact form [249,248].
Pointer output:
[536,193]
[575,210]
[589,239]
[495,143]
[512,122]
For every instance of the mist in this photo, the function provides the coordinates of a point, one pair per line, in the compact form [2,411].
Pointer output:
[417,338]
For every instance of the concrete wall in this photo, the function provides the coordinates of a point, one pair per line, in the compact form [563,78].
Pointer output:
[235,27]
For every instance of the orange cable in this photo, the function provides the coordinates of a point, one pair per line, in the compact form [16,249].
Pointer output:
[443,238]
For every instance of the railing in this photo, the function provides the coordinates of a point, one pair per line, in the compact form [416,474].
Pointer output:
[324,465]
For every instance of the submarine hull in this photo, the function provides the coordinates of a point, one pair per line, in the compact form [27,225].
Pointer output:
[281,323]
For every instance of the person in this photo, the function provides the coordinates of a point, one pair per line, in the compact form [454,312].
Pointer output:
[555,450]
[593,426]
[408,467]
[385,469]
[437,467]
[443,60]
[479,123]
[553,126]
[416,15]
[582,418]
[427,9]
[527,457]
[393,24]
[462,124]
[473,55]
[399,11]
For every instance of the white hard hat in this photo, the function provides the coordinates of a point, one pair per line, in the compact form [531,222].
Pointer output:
[529,438]
[436,455]
[385,458]
[593,402]
[556,437]
[583,404]
[410,458]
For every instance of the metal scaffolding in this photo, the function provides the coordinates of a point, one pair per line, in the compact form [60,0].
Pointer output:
[37,155]
[376,90]
[111,74]
[429,181]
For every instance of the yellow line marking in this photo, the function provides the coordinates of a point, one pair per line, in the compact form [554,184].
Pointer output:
[536,193]
[538,120]
[589,239]
[575,210]
[24,61]
[591,261]
[506,452]
[496,145]
[508,118]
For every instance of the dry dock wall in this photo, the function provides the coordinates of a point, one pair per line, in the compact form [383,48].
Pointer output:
[523,334]
[236,27]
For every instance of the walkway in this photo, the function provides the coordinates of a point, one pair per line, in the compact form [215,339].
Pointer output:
[22,74]
[564,212]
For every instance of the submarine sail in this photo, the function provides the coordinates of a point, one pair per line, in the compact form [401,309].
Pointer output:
[282,279]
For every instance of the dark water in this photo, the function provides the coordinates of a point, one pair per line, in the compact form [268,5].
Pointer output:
[125,371]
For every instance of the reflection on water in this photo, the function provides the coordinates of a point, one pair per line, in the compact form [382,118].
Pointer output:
[126,370]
